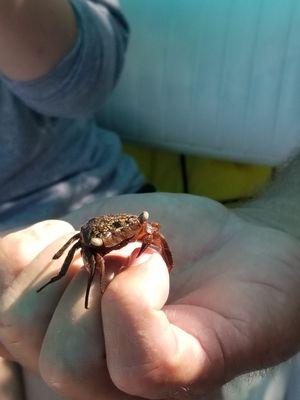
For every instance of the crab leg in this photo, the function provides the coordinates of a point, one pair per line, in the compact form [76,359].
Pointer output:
[100,264]
[64,267]
[92,269]
[157,239]
[144,245]
[165,250]
[65,246]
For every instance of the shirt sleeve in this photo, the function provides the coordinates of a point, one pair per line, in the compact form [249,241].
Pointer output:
[77,86]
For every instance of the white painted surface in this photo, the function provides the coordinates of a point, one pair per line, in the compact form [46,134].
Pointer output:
[211,77]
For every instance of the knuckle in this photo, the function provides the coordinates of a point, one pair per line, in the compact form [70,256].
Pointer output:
[135,384]
[148,380]
[58,383]
[171,368]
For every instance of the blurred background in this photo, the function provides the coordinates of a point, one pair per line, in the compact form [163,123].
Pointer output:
[209,93]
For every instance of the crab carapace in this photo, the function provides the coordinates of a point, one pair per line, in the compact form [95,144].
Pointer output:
[103,234]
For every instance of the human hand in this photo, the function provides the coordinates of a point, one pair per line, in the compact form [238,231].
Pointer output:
[80,369]
[216,314]
[233,303]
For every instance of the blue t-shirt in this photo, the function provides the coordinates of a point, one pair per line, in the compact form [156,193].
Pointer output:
[53,156]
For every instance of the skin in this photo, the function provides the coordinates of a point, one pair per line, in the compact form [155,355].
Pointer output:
[10,383]
[231,305]
[34,36]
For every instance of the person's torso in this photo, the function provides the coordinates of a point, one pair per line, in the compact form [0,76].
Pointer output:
[50,166]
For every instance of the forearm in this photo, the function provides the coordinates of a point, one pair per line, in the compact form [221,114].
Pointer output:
[34,36]
[279,204]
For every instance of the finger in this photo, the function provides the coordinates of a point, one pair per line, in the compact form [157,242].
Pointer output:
[19,248]
[10,381]
[73,359]
[146,355]
[24,313]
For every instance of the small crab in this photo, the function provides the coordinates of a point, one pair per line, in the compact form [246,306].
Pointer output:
[100,235]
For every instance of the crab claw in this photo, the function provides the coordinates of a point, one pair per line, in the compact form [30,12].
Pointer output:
[95,241]
[144,216]
[143,248]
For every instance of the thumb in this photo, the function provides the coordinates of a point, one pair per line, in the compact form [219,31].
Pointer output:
[146,355]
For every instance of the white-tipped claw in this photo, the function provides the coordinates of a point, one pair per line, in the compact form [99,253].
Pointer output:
[96,241]
[144,216]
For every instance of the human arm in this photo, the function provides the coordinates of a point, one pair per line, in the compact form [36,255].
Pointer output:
[71,78]
[34,36]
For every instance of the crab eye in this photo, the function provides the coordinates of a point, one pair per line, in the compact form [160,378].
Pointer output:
[143,216]
[96,241]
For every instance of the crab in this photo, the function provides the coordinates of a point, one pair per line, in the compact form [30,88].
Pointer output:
[103,234]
